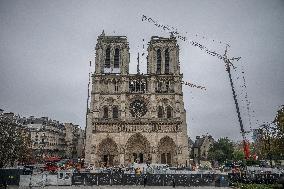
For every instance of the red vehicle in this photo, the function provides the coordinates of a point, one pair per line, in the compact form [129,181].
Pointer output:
[51,164]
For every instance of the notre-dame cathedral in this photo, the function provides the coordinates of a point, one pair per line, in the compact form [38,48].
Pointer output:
[136,117]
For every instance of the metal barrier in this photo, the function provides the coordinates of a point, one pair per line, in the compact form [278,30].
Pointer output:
[172,179]
[15,177]
[254,178]
[10,176]
[147,179]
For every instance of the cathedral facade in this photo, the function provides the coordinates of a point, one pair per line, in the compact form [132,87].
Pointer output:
[136,117]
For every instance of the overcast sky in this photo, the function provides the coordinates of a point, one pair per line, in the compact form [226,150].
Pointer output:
[46,46]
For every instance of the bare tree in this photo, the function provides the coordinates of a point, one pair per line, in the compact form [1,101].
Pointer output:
[13,145]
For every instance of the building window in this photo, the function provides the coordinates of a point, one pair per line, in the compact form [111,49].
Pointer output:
[137,86]
[159,61]
[169,112]
[115,86]
[143,86]
[159,86]
[131,86]
[105,112]
[160,112]
[115,112]
[168,86]
[116,58]
[167,61]
[107,60]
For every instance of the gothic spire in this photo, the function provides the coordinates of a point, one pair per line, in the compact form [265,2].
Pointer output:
[103,33]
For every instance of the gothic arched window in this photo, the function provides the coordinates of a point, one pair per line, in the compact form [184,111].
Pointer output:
[168,86]
[115,112]
[169,112]
[159,86]
[116,58]
[160,112]
[159,61]
[105,115]
[107,60]
[167,61]
[115,86]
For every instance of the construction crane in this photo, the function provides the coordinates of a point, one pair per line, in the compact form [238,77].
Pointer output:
[228,64]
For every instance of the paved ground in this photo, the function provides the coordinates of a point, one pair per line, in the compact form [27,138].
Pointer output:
[128,187]
[115,187]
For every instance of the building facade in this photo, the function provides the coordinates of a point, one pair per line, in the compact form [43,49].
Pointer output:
[47,136]
[201,147]
[136,117]
[74,138]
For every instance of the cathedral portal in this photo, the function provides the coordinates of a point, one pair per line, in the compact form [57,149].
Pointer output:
[138,149]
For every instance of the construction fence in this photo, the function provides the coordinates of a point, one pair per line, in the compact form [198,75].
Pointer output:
[63,178]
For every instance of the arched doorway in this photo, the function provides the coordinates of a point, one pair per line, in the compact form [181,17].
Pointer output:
[138,149]
[167,150]
[108,152]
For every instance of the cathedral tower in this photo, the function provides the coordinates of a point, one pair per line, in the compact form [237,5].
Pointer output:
[112,55]
[163,56]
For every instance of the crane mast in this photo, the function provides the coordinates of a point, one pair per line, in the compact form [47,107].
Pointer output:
[228,64]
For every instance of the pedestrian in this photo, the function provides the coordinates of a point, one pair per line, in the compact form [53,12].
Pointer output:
[174,183]
[30,184]
[145,180]
[5,184]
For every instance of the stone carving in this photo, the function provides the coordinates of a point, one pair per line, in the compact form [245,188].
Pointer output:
[116,128]
[110,100]
[179,150]
[93,149]
[154,149]
[121,149]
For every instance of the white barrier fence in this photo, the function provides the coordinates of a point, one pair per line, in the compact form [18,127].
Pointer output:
[61,179]
[263,169]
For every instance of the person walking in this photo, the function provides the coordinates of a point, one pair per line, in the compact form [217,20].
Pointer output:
[145,179]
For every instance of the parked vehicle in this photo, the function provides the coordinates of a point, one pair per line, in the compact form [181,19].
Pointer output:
[28,169]
[51,164]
